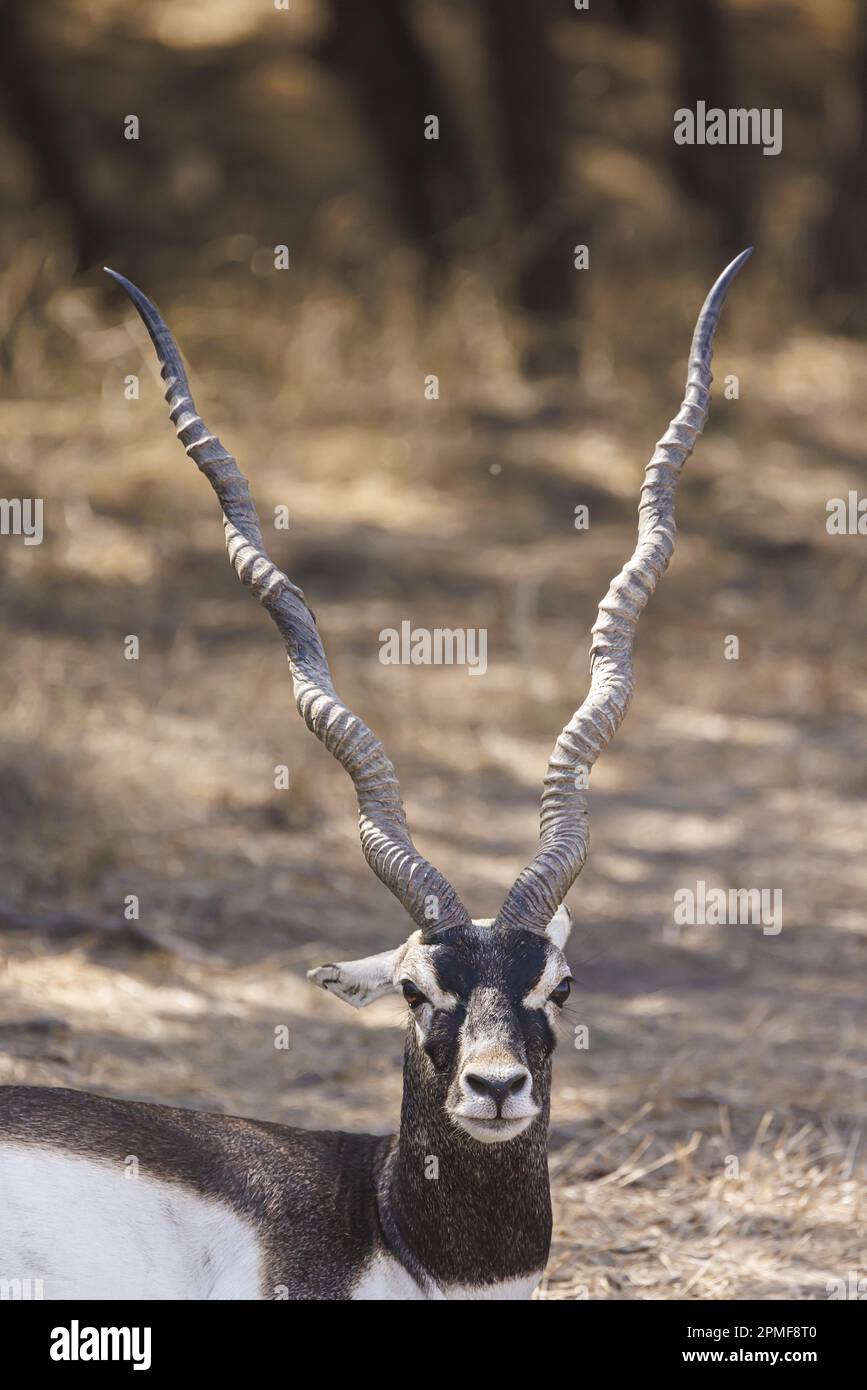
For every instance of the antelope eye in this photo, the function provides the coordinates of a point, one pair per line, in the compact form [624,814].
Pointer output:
[559,995]
[413,996]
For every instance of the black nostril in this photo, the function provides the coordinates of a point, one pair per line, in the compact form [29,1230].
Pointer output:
[497,1088]
[479,1084]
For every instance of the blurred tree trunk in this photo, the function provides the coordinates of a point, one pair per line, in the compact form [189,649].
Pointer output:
[395,87]
[839,269]
[720,176]
[29,104]
[530,113]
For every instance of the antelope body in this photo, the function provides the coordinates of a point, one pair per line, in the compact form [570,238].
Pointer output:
[103,1198]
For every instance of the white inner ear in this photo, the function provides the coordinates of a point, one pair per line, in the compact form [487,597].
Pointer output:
[559,927]
[358,982]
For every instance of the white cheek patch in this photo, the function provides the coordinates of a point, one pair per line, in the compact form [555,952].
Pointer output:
[555,970]
[422,1018]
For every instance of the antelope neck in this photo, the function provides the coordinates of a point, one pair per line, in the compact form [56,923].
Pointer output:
[455,1211]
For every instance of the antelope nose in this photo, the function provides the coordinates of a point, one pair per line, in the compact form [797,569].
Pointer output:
[497,1088]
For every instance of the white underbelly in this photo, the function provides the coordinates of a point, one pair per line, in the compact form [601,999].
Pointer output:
[386,1279]
[87,1230]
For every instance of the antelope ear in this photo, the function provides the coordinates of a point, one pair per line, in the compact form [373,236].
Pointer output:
[358,982]
[559,927]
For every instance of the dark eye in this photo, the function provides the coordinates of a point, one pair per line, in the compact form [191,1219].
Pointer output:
[413,996]
[559,995]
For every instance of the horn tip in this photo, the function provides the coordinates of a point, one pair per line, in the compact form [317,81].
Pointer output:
[734,266]
[132,290]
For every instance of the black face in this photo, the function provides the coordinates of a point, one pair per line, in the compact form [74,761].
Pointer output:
[484,1004]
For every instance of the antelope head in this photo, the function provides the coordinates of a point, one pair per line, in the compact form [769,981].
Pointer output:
[482,995]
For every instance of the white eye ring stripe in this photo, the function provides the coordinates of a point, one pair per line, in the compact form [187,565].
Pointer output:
[555,970]
[417,971]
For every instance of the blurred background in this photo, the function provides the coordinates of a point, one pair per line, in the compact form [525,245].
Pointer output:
[260,127]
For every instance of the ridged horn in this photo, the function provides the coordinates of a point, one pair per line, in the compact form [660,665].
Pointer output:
[427,896]
[540,888]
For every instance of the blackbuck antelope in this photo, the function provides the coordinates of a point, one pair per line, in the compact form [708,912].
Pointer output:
[457,1204]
